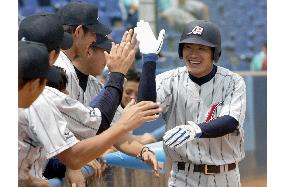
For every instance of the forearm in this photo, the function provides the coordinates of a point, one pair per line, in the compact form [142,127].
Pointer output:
[129,145]
[147,85]
[91,148]
[218,127]
[109,99]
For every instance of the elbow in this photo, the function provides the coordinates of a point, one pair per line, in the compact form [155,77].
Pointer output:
[70,160]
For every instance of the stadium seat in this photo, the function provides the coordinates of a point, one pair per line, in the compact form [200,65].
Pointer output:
[117,34]
[58,3]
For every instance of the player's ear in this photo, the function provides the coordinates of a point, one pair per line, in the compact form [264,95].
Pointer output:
[78,30]
[90,52]
[52,56]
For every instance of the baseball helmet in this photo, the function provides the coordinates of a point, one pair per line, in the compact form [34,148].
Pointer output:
[204,33]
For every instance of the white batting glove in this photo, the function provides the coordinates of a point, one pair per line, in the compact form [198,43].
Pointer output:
[181,134]
[147,40]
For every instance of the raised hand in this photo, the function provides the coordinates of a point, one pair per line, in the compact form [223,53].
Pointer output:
[147,40]
[122,55]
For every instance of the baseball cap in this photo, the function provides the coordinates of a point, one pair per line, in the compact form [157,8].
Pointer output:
[47,29]
[81,13]
[33,61]
[102,42]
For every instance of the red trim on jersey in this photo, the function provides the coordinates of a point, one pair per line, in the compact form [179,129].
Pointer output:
[213,110]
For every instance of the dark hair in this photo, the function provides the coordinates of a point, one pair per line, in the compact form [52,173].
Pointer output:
[22,82]
[57,50]
[133,75]
[59,81]
[71,28]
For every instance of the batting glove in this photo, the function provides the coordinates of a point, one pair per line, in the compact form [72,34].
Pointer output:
[147,40]
[181,134]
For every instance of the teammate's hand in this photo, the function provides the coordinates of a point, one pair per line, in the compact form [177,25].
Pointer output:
[122,55]
[26,180]
[74,178]
[181,134]
[147,40]
[151,160]
[135,115]
[98,169]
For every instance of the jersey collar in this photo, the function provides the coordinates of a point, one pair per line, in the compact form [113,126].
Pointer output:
[204,79]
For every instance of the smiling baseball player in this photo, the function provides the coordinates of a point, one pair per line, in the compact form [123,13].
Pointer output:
[81,68]
[51,117]
[203,106]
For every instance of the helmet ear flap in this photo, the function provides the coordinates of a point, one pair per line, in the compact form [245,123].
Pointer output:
[217,54]
[180,48]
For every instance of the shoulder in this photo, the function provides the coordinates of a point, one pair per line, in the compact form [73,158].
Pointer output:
[49,91]
[62,61]
[226,73]
[174,73]
[231,79]
[94,80]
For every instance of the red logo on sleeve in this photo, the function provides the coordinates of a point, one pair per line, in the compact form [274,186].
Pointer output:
[212,114]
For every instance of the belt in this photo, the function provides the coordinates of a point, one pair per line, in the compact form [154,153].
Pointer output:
[207,169]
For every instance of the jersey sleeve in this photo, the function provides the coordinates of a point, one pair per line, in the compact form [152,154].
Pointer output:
[235,100]
[49,127]
[83,121]
[164,89]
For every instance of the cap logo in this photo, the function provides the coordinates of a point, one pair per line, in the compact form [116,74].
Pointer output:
[23,39]
[196,30]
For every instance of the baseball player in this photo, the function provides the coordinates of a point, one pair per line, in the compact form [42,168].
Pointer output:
[80,68]
[32,56]
[47,110]
[56,140]
[204,109]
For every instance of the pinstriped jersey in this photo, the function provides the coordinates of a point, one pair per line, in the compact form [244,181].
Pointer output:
[83,121]
[73,87]
[42,134]
[50,118]
[183,100]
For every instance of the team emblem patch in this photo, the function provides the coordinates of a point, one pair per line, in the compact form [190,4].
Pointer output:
[212,114]
[92,113]
[196,30]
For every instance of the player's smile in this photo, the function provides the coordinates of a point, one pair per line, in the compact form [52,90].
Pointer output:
[194,62]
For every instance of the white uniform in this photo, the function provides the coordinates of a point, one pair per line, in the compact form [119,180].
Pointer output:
[50,118]
[75,91]
[183,100]
[41,137]
[73,87]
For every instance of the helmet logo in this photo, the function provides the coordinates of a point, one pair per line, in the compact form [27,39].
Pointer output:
[196,30]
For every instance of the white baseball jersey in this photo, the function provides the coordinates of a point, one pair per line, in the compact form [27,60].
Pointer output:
[58,114]
[183,100]
[42,134]
[73,87]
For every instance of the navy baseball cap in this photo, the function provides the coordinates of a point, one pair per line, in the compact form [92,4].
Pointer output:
[33,61]
[102,42]
[81,13]
[46,29]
